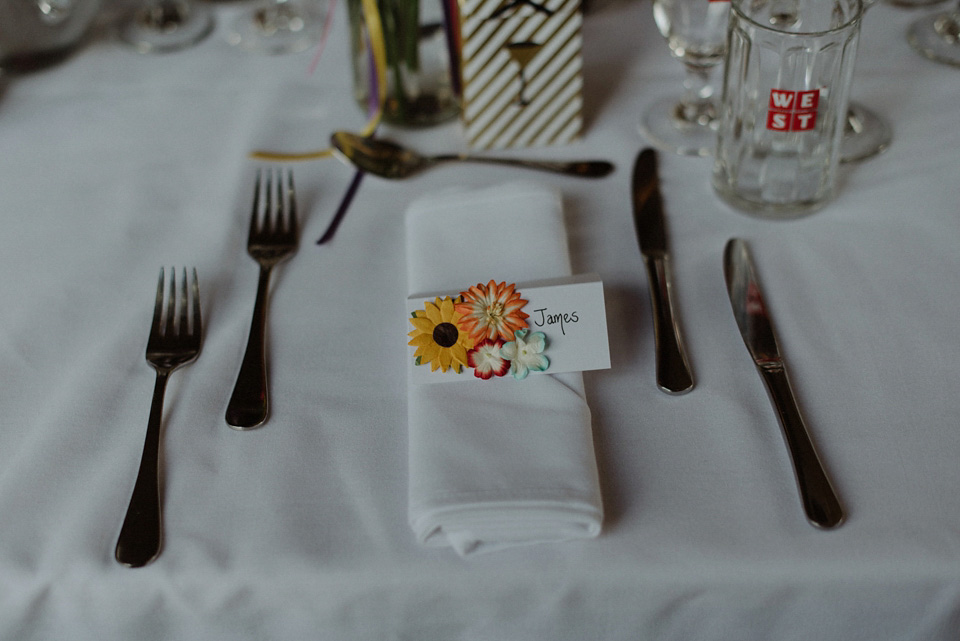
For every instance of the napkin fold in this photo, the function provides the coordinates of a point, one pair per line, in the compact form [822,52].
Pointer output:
[501,462]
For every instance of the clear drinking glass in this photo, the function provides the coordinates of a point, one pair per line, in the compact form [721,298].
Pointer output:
[279,26]
[785,97]
[159,26]
[696,32]
[938,36]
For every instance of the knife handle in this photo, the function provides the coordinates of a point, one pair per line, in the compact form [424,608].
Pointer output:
[820,502]
[673,370]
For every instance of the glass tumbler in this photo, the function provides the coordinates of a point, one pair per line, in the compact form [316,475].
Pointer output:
[785,95]
[421,46]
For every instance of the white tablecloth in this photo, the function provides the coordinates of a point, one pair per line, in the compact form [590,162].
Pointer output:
[114,164]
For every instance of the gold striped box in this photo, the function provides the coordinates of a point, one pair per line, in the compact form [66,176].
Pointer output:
[522,72]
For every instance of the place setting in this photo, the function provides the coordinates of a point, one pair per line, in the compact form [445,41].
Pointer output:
[498,342]
[410,323]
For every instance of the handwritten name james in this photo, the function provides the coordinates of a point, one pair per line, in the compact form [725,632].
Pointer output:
[552,319]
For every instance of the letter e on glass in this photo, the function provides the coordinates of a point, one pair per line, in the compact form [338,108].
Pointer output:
[808,100]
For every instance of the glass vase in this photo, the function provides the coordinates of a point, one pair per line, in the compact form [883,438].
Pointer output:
[421,45]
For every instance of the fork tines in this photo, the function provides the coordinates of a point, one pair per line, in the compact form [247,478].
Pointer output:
[180,316]
[274,203]
[270,243]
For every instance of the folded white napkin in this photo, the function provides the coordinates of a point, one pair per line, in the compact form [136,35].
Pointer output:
[500,462]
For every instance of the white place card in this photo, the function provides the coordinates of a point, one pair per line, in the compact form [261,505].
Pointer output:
[565,322]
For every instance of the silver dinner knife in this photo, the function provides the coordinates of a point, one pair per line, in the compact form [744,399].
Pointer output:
[820,502]
[673,369]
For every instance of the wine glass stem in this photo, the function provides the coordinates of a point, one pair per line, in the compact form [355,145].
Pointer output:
[696,106]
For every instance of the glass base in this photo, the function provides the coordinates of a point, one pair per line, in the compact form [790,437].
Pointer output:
[664,125]
[160,26]
[767,210]
[279,27]
[866,134]
[30,62]
[937,37]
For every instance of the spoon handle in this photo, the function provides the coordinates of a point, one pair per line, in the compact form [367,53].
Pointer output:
[581,168]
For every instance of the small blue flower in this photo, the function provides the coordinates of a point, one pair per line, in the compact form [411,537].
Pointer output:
[525,353]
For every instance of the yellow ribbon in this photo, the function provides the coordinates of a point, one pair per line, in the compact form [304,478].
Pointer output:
[379,50]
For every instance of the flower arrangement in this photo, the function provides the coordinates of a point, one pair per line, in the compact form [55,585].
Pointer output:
[421,56]
[484,329]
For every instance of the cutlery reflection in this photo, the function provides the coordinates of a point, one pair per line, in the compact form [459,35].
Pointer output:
[174,341]
[389,160]
[270,242]
[819,500]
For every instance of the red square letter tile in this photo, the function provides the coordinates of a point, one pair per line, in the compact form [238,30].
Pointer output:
[808,100]
[778,120]
[782,99]
[804,120]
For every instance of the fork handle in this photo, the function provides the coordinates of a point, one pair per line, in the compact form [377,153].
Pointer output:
[249,402]
[142,532]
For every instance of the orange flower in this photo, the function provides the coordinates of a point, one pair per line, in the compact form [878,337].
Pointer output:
[491,311]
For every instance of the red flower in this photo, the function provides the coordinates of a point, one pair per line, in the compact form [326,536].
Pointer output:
[486,360]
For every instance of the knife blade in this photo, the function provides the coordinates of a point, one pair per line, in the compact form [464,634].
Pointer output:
[673,369]
[820,502]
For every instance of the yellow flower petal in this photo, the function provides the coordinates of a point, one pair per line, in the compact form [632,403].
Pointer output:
[430,352]
[422,340]
[433,312]
[446,309]
[423,324]
[459,354]
[445,359]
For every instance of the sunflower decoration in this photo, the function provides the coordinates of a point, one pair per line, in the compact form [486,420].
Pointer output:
[491,311]
[439,337]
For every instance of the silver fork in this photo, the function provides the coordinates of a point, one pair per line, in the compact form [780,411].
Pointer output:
[174,341]
[269,243]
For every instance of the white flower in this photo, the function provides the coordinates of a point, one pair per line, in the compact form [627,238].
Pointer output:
[525,353]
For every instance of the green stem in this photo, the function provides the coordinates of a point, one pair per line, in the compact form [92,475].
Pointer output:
[401,28]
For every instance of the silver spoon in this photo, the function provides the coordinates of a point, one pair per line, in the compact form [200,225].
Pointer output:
[389,160]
